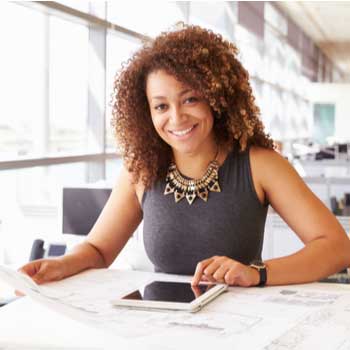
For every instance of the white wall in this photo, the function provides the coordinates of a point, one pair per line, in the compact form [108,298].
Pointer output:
[338,94]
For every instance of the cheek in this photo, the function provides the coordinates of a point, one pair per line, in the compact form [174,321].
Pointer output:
[158,124]
[206,113]
[209,119]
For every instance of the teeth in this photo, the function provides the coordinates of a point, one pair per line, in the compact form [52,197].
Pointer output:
[182,132]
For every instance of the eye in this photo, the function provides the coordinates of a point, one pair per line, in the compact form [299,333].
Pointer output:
[191,99]
[161,107]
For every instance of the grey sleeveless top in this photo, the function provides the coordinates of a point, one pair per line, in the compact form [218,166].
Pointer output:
[231,223]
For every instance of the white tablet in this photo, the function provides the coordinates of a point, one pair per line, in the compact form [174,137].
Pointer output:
[170,296]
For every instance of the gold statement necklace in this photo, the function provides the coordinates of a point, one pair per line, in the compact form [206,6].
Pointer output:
[191,188]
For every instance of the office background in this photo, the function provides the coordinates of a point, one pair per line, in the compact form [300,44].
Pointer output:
[58,61]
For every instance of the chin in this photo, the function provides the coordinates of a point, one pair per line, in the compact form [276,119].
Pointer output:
[184,150]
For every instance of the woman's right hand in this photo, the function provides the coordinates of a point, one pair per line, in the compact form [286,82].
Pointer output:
[44,270]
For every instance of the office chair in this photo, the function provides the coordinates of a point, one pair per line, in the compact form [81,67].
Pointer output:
[81,206]
[38,251]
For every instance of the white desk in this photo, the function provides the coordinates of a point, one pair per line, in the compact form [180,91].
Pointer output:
[272,318]
[25,324]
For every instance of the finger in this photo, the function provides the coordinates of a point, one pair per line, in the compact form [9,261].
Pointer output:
[220,273]
[196,291]
[42,276]
[38,279]
[208,277]
[211,280]
[215,268]
[212,267]
[29,269]
[19,293]
[231,276]
[204,278]
[199,271]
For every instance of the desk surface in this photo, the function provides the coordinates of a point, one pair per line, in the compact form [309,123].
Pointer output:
[26,324]
[271,318]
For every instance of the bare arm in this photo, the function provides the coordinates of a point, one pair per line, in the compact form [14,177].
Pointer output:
[117,222]
[327,248]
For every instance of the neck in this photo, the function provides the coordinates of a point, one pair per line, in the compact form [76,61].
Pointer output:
[194,165]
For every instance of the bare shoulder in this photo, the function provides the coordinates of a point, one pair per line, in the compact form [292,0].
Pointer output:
[261,155]
[272,171]
[270,166]
[291,198]
[266,165]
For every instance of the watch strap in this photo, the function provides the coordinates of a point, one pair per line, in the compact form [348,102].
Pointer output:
[261,268]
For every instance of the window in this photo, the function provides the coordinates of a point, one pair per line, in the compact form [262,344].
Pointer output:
[68,86]
[293,69]
[22,83]
[119,49]
[113,167]
[324,124]
[217,16]
[43,83]
[148,18]
[251,51]
[275,19]
[274,59]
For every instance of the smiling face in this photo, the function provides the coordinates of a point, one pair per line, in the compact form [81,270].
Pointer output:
[181,117]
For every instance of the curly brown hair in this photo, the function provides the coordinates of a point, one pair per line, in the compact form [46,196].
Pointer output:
[205,62]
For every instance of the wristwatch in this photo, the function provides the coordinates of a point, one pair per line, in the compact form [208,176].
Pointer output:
[261,268]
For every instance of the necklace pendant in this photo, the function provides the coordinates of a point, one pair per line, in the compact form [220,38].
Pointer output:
[203,194]
[190,197]
[215,187]
[169,189]
[178,196]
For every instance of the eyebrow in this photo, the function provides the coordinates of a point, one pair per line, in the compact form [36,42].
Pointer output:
[183,92]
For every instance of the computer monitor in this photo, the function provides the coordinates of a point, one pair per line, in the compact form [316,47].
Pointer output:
[343,148]
[81,207]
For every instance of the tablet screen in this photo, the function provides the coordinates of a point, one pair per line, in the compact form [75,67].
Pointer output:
[178,292]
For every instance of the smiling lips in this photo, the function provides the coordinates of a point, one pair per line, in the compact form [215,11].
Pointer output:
[182,132]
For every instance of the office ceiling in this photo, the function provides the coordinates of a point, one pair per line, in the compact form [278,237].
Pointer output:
[327,23]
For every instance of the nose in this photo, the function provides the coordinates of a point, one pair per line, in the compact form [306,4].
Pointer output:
[176,115]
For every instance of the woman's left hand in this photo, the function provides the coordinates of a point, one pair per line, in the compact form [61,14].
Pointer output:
[221,269]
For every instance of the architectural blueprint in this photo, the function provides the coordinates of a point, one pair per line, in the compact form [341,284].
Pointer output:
[270,318]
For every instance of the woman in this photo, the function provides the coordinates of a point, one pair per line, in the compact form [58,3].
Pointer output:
[201,172]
